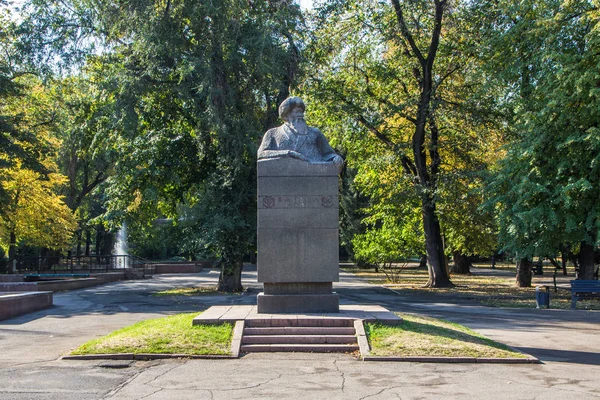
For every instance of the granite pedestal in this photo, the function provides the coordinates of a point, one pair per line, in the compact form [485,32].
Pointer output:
[298,213]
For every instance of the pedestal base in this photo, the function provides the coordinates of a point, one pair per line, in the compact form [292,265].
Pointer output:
[297,303]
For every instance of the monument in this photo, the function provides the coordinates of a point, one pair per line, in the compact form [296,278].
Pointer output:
[298,214]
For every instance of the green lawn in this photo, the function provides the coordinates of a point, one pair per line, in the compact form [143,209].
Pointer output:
[174,334]
[421,336]
[193,291]
[490,290]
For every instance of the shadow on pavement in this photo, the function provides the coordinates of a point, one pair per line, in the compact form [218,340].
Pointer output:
[566,356]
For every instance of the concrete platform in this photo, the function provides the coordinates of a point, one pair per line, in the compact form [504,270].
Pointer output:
[13,304]
[366,313]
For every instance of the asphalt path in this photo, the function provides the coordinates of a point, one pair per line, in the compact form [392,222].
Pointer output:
[567,343]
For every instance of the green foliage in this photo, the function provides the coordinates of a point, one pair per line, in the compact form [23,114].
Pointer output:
[547,187]
[157,240]
[32,210]
[366,83]
[178,98]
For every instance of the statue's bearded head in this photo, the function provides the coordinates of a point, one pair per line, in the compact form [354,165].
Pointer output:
[292,112]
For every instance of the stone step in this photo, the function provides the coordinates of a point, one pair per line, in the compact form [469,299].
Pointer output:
[305,348]
[300,330]
[299,339]
[299,322]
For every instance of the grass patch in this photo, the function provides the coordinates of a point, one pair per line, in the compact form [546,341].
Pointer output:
[560,300]
[484,289]
[168,335]
[422,336]
[192,291]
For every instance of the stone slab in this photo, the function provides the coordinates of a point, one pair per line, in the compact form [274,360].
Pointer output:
[212,316]
[298,288]
[236,341]
[298,222]
[15,304]
[305,218]
[292,303]
[368,312]
[361,338]
[287,166]
[298,348]
[297,186]
[236,313]
[298,255]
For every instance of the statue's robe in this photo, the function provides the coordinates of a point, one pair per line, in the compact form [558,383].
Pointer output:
[313,145]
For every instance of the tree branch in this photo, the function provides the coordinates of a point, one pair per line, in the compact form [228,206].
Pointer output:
[380,135]
[397,109]
[446,76]
[406,33]
[437,28]
[407,164]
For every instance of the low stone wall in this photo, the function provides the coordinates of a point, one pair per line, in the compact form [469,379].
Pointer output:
[62,284]
[14,304]
[106,277]
[11,277]
[181,268]
[18,286]
[67,284]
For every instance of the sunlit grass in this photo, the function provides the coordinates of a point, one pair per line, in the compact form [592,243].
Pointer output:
[192,291]
[169,335]
[490,290]
[421,336]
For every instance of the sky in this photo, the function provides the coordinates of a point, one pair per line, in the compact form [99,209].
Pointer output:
[304,4]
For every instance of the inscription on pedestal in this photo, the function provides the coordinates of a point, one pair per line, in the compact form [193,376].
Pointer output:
[297,201]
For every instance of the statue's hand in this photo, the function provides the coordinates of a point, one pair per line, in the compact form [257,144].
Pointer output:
[338,162]
[295,154]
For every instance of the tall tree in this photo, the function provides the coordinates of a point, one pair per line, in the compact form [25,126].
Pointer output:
[33,212]
[192,87]
[401,77]
[546,191]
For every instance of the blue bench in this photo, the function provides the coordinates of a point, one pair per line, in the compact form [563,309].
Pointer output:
[584,290]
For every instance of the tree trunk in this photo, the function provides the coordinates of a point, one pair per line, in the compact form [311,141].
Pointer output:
[230,279]
[108,242]
[88,241]
[563,261]
[78,251]
[462,264]
[436,260]
[524,272]
[423,261]
[98,248]
[12,252]
[586,262]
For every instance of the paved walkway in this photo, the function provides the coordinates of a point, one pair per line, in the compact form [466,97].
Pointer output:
[568,343]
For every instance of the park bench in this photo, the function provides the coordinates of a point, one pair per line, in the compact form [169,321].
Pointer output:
[580,289]
[584,290]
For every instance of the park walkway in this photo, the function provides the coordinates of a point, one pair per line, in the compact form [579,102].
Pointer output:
[566,341]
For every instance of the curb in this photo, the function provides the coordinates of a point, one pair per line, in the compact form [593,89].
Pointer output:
[236,341]
[471,360]
[145,356]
